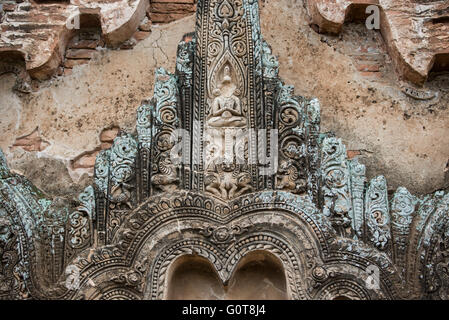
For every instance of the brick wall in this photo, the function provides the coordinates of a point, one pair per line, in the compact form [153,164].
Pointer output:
[163,11]
[38,29]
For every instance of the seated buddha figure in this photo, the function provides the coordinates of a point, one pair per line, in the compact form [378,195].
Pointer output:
[226,110]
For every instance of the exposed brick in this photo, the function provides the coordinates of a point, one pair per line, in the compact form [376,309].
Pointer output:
[140,35]
[172,8]
[38,18]
[79,53]
[368,58]
[31,142]
[351,154]
[70,63]
[30,27]
[85,44]
[371,74]
[67,71]
[40,26]
[105,145]
[166,17]
[412,52]
[145,25]
[108,135]
[128,44]
[91,34]
[85,161]
[368,67]
[9,7]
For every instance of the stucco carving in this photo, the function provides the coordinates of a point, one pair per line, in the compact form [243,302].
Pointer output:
[148,207]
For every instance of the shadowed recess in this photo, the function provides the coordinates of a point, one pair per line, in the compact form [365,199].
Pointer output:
[258,276]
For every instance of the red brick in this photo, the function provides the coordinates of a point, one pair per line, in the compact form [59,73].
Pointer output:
[140,35]
[172,8]
[166,17]
[79,53]
[70,63]
[368,67]
[9,7]
[371,74]
[128,44]
[31,142]
[85,161]
[105,145]
[351,154]
[85,44]
[108,135]
[146,25]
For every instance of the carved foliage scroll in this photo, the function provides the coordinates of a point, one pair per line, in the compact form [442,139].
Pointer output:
[21,215]
[9,257]
[437,284]
[313,108]
[184,73]
[101,183]
[335,188]
[79,224]
[292,173]
[377,213]
[122,193]
[269,62]
[144,137]
[402,213]
[164,173]
[358,179]
[114,183]
[434,245]
[122,171]
[299,156]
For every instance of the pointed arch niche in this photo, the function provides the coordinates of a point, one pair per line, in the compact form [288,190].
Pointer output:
[258,276]
[192,277]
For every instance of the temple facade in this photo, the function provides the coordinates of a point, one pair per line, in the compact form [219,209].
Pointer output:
[228,189]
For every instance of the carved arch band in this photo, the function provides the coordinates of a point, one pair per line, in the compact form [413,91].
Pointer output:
[287,227]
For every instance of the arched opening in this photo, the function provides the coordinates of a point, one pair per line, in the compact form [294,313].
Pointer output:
[341,298]
[13,61]
[194,278]
[258,276]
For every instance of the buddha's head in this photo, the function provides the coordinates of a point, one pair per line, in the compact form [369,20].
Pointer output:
[226,75]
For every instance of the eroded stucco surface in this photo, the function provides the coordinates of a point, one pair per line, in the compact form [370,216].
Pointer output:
[395,134]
